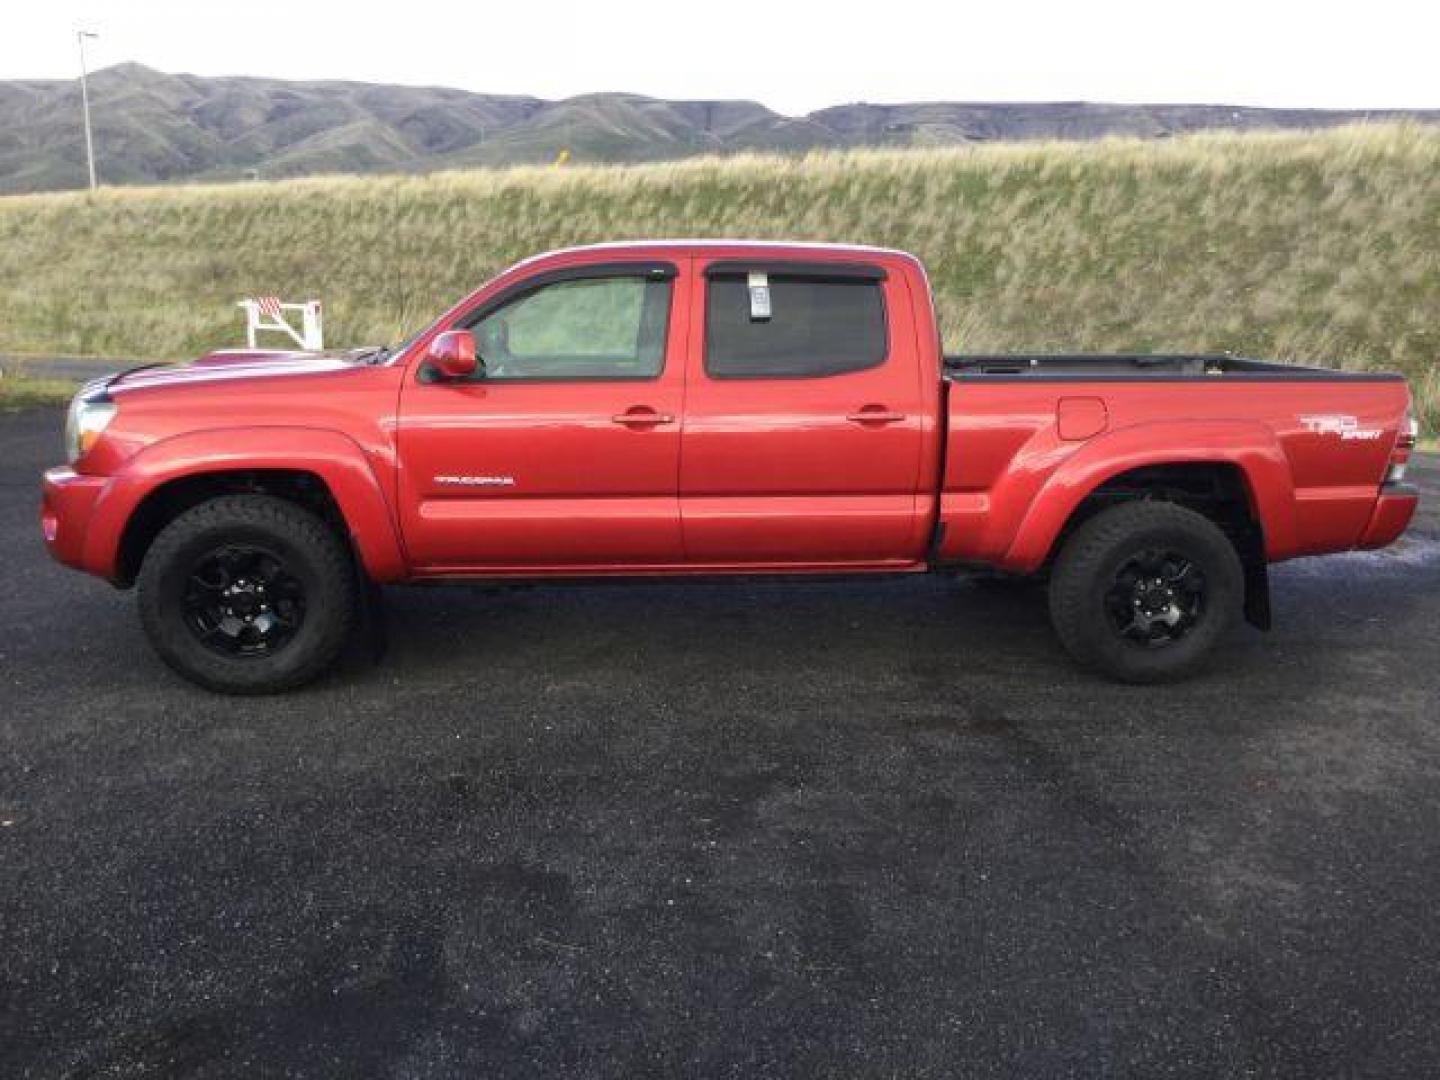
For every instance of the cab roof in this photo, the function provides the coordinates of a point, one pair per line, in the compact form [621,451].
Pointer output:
[683,248]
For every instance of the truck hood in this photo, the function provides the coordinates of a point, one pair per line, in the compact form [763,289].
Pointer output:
[234,364]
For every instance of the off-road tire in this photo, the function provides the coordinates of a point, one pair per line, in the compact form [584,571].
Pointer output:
[312,552]
[1085,572]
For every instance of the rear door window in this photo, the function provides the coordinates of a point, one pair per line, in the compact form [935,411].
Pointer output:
[815,326]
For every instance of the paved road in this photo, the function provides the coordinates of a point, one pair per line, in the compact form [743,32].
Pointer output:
[722,829]
[78,368]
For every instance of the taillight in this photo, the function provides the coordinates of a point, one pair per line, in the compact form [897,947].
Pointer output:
[1404,443]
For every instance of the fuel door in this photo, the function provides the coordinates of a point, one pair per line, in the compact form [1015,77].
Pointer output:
[1079,418]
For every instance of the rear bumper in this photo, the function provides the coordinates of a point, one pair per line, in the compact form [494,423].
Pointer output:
[1392,513]
[66,507]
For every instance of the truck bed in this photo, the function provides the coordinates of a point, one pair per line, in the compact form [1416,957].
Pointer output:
[1312,444]
[1127,366]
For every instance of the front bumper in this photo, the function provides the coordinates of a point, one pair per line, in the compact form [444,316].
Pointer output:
[67,505]
[1392,514]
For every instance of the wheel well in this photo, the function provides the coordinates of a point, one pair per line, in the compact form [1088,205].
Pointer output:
[171,499]
[1218,490]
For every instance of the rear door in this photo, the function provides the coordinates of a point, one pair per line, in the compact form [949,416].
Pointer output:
[804,417]
[564,453]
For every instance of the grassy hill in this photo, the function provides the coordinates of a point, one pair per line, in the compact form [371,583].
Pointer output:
[152,126]
[1318,247]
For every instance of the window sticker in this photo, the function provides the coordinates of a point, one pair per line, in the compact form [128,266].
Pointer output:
[759,297]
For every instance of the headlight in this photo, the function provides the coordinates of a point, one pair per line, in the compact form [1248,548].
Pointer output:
[84,422]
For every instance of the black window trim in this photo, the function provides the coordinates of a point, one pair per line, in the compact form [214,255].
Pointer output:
[847,272]
[841,271]
[649,269]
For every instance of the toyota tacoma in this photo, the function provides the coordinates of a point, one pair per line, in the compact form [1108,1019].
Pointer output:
[686,408]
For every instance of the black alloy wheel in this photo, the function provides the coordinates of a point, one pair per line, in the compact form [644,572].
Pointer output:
[1157,597]
[243,600]
[249,594]
[1144,591]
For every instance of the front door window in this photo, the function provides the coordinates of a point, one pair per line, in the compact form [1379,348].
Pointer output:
[594,328]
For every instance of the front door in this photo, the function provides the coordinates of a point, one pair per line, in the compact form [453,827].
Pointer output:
[804,418]
[564,451]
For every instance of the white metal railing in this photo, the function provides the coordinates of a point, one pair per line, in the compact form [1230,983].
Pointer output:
[267,313]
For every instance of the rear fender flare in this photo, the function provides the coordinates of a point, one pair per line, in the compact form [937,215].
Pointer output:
[1251,447]
[335,458]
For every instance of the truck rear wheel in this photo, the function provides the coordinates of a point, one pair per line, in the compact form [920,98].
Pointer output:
[248,594]
[1144,591]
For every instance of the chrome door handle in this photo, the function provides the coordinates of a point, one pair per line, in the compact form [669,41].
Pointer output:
[875,416]
[642,416]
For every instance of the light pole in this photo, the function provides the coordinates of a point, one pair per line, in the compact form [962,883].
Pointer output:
[80,36]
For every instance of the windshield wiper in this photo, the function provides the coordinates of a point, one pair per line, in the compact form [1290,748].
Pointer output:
[377,355]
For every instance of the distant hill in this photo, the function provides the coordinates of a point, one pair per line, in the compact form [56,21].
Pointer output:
[153,127]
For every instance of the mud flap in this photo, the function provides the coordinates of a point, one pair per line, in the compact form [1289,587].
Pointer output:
[1257,594]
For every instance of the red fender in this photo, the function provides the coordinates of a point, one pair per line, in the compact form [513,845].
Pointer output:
[333,457]
[1251,447]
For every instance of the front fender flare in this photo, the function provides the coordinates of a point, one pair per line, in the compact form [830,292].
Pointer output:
[334,457]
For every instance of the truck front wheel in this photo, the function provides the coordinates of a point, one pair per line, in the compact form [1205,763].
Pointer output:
[1144,591]
[248,594]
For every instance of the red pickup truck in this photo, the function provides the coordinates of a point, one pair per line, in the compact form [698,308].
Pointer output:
[713,408]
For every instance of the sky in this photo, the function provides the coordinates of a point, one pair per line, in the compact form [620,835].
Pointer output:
[793,57]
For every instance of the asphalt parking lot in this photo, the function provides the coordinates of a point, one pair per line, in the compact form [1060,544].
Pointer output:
[722,829]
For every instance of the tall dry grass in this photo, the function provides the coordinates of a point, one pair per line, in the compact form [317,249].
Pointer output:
[1321,247]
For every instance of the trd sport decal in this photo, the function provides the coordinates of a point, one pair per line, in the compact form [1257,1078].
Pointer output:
[1347,427]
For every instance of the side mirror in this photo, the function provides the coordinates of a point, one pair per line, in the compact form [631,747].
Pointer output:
[452,354]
